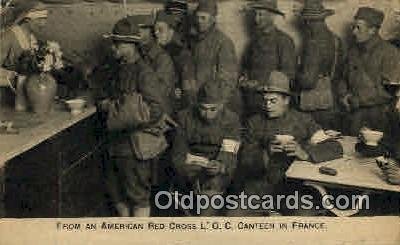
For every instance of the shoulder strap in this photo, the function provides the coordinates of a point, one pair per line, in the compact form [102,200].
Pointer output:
[336,58]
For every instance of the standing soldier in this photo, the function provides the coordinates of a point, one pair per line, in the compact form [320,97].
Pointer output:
[321,66]
[179,10]
[270,49]
[205,149]
[373,66]
[213,53]
[134,110]
[171,40]
[157,59]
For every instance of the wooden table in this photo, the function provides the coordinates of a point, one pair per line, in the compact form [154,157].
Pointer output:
[353,172]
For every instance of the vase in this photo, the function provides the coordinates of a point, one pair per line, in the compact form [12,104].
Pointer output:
[41,89]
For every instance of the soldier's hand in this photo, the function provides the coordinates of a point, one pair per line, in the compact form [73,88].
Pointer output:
[215,168]
[346,103]
[392,174]
[275,147]
[192,170]
[178,93]
[293,149]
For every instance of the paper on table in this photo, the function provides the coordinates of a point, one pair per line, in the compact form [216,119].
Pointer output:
[197,160]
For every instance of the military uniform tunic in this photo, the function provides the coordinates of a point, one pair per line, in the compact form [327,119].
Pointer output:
[205,139]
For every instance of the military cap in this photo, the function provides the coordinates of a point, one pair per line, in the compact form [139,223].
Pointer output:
[163,16]
[210,93]
[372,16]
[125,30]
[208,6]
[278,82]
[313,9]
[270,5]
[176,7]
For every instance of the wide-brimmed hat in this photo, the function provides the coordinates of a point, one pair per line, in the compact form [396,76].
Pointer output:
[14,11]
[125,30]
[210,93]
[278,82]
[176,7]
[314,9]
[208,6]
[270,5]
[372,16]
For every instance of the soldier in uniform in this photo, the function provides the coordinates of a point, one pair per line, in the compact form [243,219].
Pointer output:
[322,57]
[264,157]
[373,67]
[214,54]
[170,39]
[157,59]
[270,49]
[133,105]
[205,148]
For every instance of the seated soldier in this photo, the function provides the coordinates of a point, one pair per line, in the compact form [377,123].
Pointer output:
[264,157]
[389,146]
[205,149]
[133,105]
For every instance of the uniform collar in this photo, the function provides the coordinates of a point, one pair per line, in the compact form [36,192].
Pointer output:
[372,43]
[152,50]
[202,36]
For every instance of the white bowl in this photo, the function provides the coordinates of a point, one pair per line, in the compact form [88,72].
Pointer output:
[76,105]
[371,137]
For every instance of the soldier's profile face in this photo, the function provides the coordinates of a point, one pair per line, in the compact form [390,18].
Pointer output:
[263,18]
[123,51]
[209,111]
[163,33]
[275,104]
[204,21]
[362,31]
[145,34]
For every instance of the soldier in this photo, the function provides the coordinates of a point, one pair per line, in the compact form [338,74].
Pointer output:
[170,39]
[265,156]
[179,10]
[157,59]
[322,63]
[209,132]
[373,65]
[135,104]
[270,49]
[214,53]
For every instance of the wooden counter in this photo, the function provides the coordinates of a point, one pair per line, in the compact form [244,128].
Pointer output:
[43,127]
[54,166]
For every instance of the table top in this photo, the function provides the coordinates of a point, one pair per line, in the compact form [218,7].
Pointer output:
[34,129]
[352,171]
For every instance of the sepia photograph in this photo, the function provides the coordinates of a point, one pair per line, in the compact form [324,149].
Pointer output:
[196,116]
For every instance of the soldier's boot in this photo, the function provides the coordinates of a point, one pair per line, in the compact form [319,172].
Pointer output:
[122,209]
[141,212]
